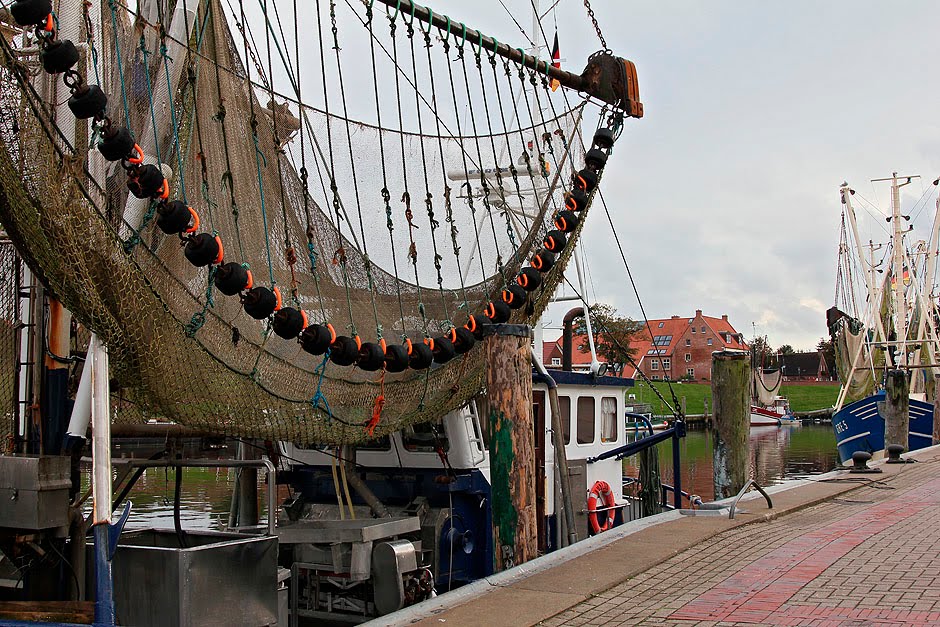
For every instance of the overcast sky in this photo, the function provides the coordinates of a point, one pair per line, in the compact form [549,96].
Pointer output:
[725,194]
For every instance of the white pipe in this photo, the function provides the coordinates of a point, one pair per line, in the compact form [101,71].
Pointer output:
[100,436]
[81,410]
[595,364]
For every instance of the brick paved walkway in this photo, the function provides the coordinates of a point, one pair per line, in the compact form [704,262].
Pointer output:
[871,557]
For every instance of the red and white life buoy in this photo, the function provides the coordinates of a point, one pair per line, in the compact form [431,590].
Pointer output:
[601,492]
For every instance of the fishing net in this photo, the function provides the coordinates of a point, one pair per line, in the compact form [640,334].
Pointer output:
[9,282]
[404,193]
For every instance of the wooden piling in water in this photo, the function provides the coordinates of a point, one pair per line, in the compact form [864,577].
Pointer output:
[897,408]
[731,405]
[512,443]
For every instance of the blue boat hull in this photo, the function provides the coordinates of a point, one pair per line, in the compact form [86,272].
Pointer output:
[861,427]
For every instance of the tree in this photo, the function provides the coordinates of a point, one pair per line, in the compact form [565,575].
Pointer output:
[761,353]
[828,350]
[613,334]
[786,349]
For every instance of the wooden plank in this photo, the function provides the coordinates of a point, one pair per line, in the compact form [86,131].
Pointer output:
[76,612]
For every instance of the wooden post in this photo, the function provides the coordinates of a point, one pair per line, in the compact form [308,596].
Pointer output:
[936,409]
[512,446]
[731,405]
[897,405]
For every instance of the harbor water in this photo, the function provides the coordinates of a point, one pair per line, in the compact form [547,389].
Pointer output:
[776,454]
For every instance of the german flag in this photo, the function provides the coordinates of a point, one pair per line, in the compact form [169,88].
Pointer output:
[556,61]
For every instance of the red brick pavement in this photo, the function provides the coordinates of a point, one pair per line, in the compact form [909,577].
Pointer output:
[872,558]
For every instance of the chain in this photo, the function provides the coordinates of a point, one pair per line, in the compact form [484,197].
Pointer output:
[597,28]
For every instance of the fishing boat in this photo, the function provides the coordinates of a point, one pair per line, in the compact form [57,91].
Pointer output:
[895,330]
[297,228]
[768,407]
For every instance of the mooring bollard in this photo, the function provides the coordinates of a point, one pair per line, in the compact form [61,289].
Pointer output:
[731,406]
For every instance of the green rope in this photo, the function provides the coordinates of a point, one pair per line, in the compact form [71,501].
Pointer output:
[120,63]
[131,242]
[176,136]
[199,318]
[153,114]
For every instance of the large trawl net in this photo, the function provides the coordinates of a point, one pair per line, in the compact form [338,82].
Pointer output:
[415,180]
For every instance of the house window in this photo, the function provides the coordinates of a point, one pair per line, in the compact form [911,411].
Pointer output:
[660,325]
[691,373]
[556,361]
[667,363]
[703,329]
[564,406]
[586,420]
[709,341]
[693,329]
[654,364]
[688,357]
[609,421]
[655,377]
[688,342]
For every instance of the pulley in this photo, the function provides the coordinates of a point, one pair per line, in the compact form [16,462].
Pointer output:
[604,138]
[87,102]
[555,241]
[259,302]
[203,249]
[543,260]
[462,339]
[316,338]
[396,358]
[442,349]
[420,355]
[344,351]
[371,356]
[58,56]
[595,159]
[529,278]
[117,142]
[566,221]
[586,180]
[176,217]
[30,12]
[577,200]
[289,322]
[231,278]
[147,181]
[497,311]
[514,296]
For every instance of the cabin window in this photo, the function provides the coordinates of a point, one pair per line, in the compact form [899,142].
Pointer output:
[667,363]
[586,420]
[556,361]
[424,437]
[383,443]
[609,426]
[564,405]
[654,364]
[688,357]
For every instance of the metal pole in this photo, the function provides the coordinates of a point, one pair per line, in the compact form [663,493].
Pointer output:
[101,483]
[561,456]
[676,472]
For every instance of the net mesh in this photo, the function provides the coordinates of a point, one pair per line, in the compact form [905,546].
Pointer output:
[384,230]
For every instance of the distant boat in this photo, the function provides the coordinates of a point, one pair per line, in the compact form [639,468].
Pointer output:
[768,407]
[896,330]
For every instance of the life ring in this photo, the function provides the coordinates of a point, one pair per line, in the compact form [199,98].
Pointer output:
[601,491]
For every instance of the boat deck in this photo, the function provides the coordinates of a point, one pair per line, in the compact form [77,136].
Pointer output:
[843,549]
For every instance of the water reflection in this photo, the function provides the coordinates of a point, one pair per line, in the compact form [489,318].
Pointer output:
[776,453]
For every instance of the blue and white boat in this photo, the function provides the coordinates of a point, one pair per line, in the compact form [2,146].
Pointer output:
[897,330]
[859,426]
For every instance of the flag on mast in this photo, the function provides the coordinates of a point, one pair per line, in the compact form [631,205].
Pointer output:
[556,61]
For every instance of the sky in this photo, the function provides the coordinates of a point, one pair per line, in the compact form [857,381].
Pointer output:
[726,193]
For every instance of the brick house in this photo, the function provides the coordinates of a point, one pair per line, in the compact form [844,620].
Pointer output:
[580,362]
[681,348]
